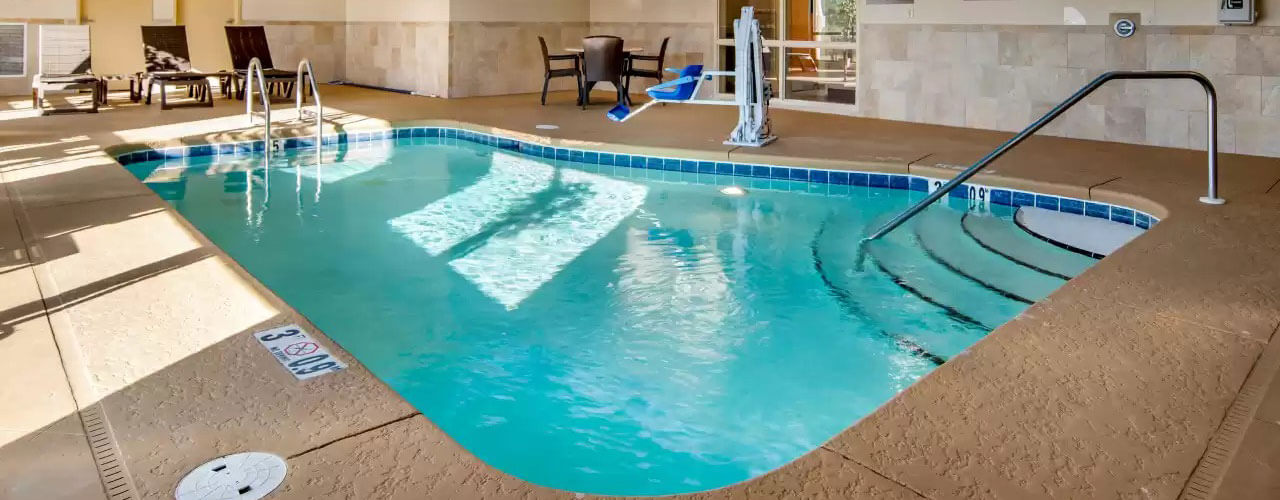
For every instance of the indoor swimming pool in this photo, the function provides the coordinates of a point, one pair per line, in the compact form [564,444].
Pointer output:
[594,323]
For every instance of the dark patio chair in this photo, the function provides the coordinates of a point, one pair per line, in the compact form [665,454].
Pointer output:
[575,71]
[248,42]
[656,72]
[603,60]
[168,63]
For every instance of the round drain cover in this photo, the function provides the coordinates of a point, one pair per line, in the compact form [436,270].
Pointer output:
[243,476]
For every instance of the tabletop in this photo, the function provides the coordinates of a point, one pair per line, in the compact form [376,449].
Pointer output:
[579,50]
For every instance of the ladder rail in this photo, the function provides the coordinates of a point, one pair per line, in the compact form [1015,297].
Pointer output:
[1212,130]
[255,68]
[304,67]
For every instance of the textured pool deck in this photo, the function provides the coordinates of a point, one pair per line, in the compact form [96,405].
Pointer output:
[126,359]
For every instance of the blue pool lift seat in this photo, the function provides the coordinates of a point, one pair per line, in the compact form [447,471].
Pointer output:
[682,88]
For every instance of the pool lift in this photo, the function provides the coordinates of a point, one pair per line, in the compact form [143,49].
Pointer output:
[751,95]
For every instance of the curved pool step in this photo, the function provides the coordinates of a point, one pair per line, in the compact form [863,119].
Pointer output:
[940,235]
[866,293]
[898,256]
[1089,236]
[1011,242]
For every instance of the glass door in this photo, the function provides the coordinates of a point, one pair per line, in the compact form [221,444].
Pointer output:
[811,43]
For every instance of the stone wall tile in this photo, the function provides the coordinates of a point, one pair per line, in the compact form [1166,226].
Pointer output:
[1169,128]
[1271,96]
[920,45]
[1239,94]
[1197,137]
[996,81]
[1013,48]
[1212,54]
[982,112]
[1046,48]
[1013,114]
[1126,124]
[1168,52]
[892,105]
[982,47]
[1126,53]
[1258,55]
[1086,50]
[1255,135]
[949,46]
[1085,121]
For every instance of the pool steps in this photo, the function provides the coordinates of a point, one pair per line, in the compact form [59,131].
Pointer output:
[862,294]
[938,236]
[1015,244]
[974,267]
[898,256]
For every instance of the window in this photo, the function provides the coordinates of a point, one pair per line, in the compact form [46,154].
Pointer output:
[13,49]
[813,45]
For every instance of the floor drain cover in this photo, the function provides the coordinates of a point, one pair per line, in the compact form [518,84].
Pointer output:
[547,127]
[243,476]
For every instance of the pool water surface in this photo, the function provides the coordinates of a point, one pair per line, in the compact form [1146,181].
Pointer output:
[593,328]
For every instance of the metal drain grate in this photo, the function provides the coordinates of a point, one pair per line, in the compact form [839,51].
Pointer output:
[1225,443]
[1213,465]
[106,455]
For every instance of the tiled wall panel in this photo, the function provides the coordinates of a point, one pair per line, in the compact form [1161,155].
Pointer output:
[1003,77]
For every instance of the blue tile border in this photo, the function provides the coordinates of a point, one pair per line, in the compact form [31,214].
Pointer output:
[764,176]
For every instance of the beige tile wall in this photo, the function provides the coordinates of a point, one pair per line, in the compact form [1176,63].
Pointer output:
[496,58]
[1003,77]
[408,56]
[324,43]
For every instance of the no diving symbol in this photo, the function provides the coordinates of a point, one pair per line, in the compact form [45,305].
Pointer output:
[301,348]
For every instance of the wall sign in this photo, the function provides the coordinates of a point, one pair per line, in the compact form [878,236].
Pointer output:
[1236,12]
[1125,27]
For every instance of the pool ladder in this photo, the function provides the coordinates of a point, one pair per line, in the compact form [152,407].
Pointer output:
[1212,96]
[304,69]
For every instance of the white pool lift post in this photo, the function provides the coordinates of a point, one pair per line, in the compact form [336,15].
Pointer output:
[751,96]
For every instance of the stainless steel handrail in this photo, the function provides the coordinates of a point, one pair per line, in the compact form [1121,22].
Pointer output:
[255,68]
[1084,92]
[305,66]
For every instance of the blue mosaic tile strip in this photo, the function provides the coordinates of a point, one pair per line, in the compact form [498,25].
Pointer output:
[698,171]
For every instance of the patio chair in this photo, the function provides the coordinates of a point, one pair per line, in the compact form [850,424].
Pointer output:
[248,42]
[575,71]
[168,64]
[65,65]
[654,73]
[603,60]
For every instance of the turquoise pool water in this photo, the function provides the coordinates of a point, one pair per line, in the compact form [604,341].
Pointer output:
[605,329]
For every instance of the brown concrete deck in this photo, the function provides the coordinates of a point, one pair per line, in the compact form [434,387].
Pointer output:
[1149,376]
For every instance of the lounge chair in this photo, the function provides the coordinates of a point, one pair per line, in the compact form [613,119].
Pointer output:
[168,64]
[248,42]
[65,65]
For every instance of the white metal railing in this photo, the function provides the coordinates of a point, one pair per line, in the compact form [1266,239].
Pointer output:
[304,67]
[255,68]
